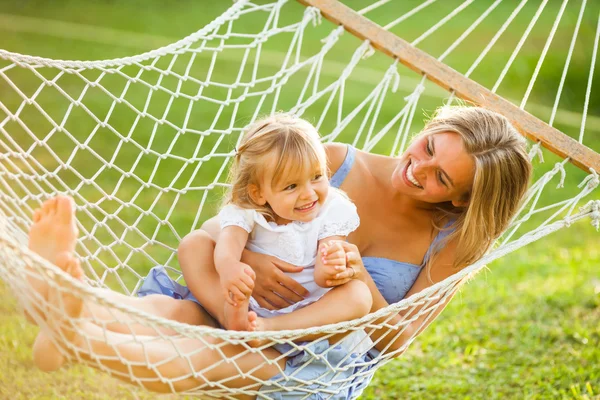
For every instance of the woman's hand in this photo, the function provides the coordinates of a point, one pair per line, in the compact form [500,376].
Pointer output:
[272,288]
[355,268]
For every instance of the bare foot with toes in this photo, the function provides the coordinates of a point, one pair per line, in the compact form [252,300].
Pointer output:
[54,231]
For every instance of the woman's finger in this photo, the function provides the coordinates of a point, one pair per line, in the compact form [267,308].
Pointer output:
[288,295]
[353,257]
[297,290]
[348,273]
[274,299]
[263,303]
[348,246]
[284,266]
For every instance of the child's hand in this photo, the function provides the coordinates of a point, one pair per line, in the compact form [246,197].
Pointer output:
[333,258]
[237,283]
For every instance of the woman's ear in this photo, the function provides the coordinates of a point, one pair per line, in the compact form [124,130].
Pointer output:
[462,202]
[256,195]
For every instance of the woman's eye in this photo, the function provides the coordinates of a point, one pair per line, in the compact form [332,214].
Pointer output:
[441,179]
[428,148]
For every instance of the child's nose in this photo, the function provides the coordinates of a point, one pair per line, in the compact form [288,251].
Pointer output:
[308,191]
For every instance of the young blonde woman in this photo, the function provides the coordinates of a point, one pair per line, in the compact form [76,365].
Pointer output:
[424,216]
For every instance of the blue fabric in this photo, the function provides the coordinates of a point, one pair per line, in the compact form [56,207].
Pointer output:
[159,282]
[353,372]
[340,175]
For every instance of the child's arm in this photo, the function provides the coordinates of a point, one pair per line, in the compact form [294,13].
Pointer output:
[331,260]
[236,277]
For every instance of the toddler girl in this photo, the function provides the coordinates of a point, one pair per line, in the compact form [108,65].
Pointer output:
[280,204]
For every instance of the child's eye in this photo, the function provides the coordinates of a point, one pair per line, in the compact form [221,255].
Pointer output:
[290,187]
[317,177]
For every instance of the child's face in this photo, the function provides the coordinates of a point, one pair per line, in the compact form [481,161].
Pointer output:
[297,197]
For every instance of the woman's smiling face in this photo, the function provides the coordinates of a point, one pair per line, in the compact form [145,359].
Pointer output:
[436,168]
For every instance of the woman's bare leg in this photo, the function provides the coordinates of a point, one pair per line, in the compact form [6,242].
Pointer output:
[159,364]
[54,232]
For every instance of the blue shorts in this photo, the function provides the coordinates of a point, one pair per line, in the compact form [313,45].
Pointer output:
[321,371]
[317,371]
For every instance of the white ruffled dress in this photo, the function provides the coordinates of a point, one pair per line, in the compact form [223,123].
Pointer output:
[295,243]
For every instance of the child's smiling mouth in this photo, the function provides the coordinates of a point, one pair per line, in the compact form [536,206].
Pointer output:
[307,207]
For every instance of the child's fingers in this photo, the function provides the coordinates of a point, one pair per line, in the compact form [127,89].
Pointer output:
[323,249]
[228,297]
[337,260]
[237,294]
[250,272]
[246,285]
[336,252]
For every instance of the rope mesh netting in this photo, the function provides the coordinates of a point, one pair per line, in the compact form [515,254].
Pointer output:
[143,145]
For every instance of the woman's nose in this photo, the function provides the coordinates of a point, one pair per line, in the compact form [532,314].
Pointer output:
[422,166]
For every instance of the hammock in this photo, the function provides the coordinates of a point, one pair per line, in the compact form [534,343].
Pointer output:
[143,144]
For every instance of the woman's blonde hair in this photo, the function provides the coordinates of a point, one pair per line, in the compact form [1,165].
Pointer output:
[502,173]
[292,142]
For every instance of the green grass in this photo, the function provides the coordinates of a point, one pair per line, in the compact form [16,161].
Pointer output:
[526,328]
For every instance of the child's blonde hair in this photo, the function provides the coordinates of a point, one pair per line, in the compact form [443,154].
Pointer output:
[292,142]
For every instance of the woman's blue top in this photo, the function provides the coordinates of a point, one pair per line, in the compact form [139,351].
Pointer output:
[393,278]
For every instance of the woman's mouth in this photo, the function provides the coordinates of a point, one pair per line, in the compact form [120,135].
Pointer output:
[408,176]
[307,207]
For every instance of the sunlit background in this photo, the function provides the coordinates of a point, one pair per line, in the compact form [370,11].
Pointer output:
[528,327]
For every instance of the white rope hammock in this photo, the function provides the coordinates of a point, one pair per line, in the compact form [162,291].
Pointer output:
[143,144]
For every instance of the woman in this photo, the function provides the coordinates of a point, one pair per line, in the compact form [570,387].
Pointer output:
[424,216]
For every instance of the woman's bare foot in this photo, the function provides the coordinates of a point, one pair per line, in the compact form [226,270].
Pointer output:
[64,307]
[54,231]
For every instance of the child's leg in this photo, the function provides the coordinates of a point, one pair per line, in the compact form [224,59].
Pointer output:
[196,258]
[343,303]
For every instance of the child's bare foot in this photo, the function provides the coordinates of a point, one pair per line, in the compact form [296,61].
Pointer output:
[256,324]
[53,232]
[235,318]
[64,307]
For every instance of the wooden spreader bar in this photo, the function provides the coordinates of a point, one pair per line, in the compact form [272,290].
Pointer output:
[466,89]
